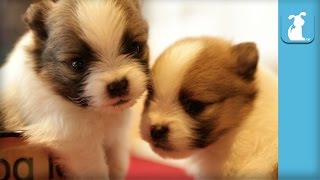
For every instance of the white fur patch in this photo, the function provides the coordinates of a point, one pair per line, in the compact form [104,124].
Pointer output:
[171,69]
[103,25]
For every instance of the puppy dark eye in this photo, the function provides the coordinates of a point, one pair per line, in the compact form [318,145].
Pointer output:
[194,107]
[78,64]
[135,49]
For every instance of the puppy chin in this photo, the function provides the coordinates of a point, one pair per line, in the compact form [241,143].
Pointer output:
[117,106]
[169,153]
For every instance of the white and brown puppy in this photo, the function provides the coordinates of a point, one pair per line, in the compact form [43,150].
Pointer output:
[70,80]
[210,102]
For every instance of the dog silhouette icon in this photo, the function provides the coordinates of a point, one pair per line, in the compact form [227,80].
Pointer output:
[295,30]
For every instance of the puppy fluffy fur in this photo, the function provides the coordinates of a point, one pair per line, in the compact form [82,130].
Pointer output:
[70,80]
[210,102]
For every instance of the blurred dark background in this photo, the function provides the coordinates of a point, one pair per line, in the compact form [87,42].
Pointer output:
[11,24]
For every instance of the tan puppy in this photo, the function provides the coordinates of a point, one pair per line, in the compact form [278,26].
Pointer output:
[209,101]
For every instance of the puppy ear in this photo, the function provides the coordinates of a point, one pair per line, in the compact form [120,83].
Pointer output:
[246,56]
[291,16]
[36,16]
[303,14]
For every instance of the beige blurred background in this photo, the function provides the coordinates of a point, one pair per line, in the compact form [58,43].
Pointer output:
[236,20]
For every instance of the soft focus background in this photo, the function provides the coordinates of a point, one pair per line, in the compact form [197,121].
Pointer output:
[11,24]
[237,20]
[170,20]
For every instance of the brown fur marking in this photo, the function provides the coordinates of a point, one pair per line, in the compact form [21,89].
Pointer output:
[212,79]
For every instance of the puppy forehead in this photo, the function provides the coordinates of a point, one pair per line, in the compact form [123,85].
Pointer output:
[171,67]
[102,24]
[199,66]
[211,69]
[213,75]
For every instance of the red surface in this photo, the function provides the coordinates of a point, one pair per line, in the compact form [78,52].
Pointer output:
[143,169]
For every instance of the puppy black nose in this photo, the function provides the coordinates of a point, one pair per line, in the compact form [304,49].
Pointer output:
[159,133]
[118,88]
